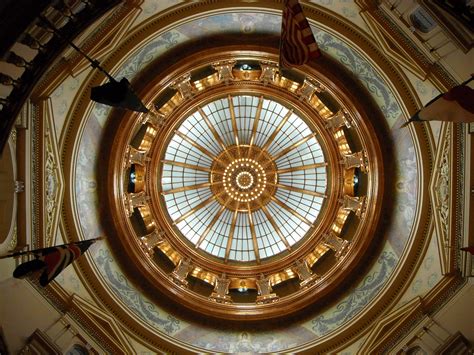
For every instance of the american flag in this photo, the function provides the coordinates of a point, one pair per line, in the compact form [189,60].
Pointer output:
[297,45]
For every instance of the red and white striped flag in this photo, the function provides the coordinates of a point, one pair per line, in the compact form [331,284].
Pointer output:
[297,44]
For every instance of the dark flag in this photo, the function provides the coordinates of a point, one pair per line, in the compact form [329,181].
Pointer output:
[469,249]
[456,105]
[52,260]
[297,44]
[115,94]
[118,94]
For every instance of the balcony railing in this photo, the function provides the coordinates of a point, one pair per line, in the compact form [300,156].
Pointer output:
[30,47]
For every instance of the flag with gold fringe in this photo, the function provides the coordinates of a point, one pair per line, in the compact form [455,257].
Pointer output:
[49,262]
[297,43]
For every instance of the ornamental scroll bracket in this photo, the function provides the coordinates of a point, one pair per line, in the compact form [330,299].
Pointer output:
[341,118]
[183,85]
[135,156]
[269,71]
[337,244]
[181,271]
[356,160]
[307,278]
[264,289]
[224,70]
[355,204]
[153,117]
[221,290]
[150,241]
[307,90]
[133,200]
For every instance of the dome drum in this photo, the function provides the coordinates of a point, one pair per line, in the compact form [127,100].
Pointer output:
[249,180]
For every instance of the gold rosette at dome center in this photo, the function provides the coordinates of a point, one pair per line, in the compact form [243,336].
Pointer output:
[243,178]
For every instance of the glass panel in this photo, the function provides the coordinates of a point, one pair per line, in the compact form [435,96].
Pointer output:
[215,223]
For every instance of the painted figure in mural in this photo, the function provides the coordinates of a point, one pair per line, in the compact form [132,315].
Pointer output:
[244,345]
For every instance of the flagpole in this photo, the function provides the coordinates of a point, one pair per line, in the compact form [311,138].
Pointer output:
[416,118]
[94,63]
[468,80]
[19,253]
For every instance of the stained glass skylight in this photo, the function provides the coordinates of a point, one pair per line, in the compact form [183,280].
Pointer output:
[244,178]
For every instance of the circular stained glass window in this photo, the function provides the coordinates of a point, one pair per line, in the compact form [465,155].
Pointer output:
[244,178]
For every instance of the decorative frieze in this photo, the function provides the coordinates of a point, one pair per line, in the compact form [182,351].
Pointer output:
[441,194]
[19,186]
[53,179]
[13,136]
[14,238]
[442,188]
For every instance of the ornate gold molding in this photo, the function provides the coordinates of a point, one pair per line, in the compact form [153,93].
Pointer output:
[336,146]
[53,179]
[80,107]
[443,197]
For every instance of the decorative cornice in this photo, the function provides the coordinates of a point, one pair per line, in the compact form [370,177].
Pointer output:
[394,323]
[459,178]
[444,195]
[53,180]
[36,164]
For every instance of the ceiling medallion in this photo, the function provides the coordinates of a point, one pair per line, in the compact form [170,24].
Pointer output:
[239,185]
[244,178]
